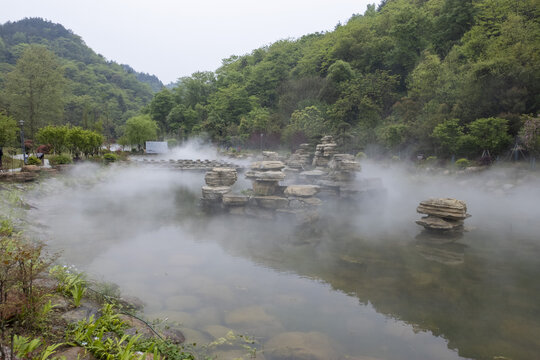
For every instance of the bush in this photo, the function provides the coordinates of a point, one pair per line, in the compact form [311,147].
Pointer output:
[463,163]
[361,155]
[32,160]
[60,159]
[110,158]
[171,143]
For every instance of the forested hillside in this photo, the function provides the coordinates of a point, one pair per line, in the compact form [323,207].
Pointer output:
[438,76]
[72,84]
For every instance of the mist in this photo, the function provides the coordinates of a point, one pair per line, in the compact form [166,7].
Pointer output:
[142,227]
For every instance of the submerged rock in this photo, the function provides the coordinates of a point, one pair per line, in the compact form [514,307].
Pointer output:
[301,346]
[434,223]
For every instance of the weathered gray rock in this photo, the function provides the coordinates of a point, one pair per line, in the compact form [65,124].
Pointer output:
[434,223]
[267,165]
[264,188]
[234,199]
[271,202]
[302,190]
[270,155]
[74,353]
[301,346]
[215,192]
[265,175]
[444,208]
[221,177]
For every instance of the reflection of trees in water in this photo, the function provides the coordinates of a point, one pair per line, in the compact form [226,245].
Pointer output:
[476,296]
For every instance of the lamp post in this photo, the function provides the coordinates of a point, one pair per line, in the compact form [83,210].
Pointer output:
[21,122]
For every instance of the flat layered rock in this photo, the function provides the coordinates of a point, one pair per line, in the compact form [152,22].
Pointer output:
[265,175]
[444,208]
[221,177]
[438,224]
[267,165]
[302,190]
[265,188]
[214,192]
[271,202]
[234,199]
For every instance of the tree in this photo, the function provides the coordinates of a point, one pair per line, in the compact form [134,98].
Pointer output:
[160,107]
[448,135]
[490,134]
[55,136]
[35,88]
[8,129]
[308,123]
[139,129]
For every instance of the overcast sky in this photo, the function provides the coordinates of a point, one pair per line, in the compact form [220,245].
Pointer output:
[171,38]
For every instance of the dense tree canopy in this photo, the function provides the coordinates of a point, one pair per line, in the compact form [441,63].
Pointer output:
[410,75]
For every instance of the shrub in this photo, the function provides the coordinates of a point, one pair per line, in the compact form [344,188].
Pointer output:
[60,159]
[361,155]
[109,158]
[32,160]
[463,163]
[172,143]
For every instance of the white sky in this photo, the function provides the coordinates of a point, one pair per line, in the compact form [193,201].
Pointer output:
[171,38]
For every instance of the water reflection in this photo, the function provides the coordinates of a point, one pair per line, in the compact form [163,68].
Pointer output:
[383,294]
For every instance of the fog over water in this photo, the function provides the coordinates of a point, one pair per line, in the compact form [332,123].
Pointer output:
[360,278]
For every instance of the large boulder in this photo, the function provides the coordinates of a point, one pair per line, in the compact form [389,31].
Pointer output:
[235,199]
[265,175]
[302,190]
[444,208]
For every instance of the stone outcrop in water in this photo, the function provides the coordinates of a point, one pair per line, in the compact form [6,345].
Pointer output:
[265,176]
[218,183]
[300,159]
[324,151]
[443,215]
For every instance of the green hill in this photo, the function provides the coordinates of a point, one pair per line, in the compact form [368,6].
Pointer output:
[96,93]
[388,78]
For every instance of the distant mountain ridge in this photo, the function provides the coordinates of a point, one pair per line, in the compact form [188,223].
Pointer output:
[98,90]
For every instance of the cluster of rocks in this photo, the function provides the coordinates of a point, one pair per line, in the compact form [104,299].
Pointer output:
[267,199]
[300,159]
[218,183]
[197,164]
[443,215]
[324,151]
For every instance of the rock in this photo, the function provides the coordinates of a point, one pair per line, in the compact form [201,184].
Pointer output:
[264,188]
[300,216]
[214,192]
[300,203]
[235,199]
[301,346]
[60,303]
[271,202]
[174,335]
[267,165]
[265,175]
[217,331]
[84,311]
[270,155]
[221,177]
[444,208]
[434,223]
[302,190]
[137,327]
[30,168]
[74,353]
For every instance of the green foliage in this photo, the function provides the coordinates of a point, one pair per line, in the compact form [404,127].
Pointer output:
[110,157]
[104,338]
[490,134]
[97,94]
[70,282]
[463,163]
[60,159]
[33,160]
[140,129]
[35,88]
[55,136]
[309,122]
[448,135]
[8,130]
[23,346]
